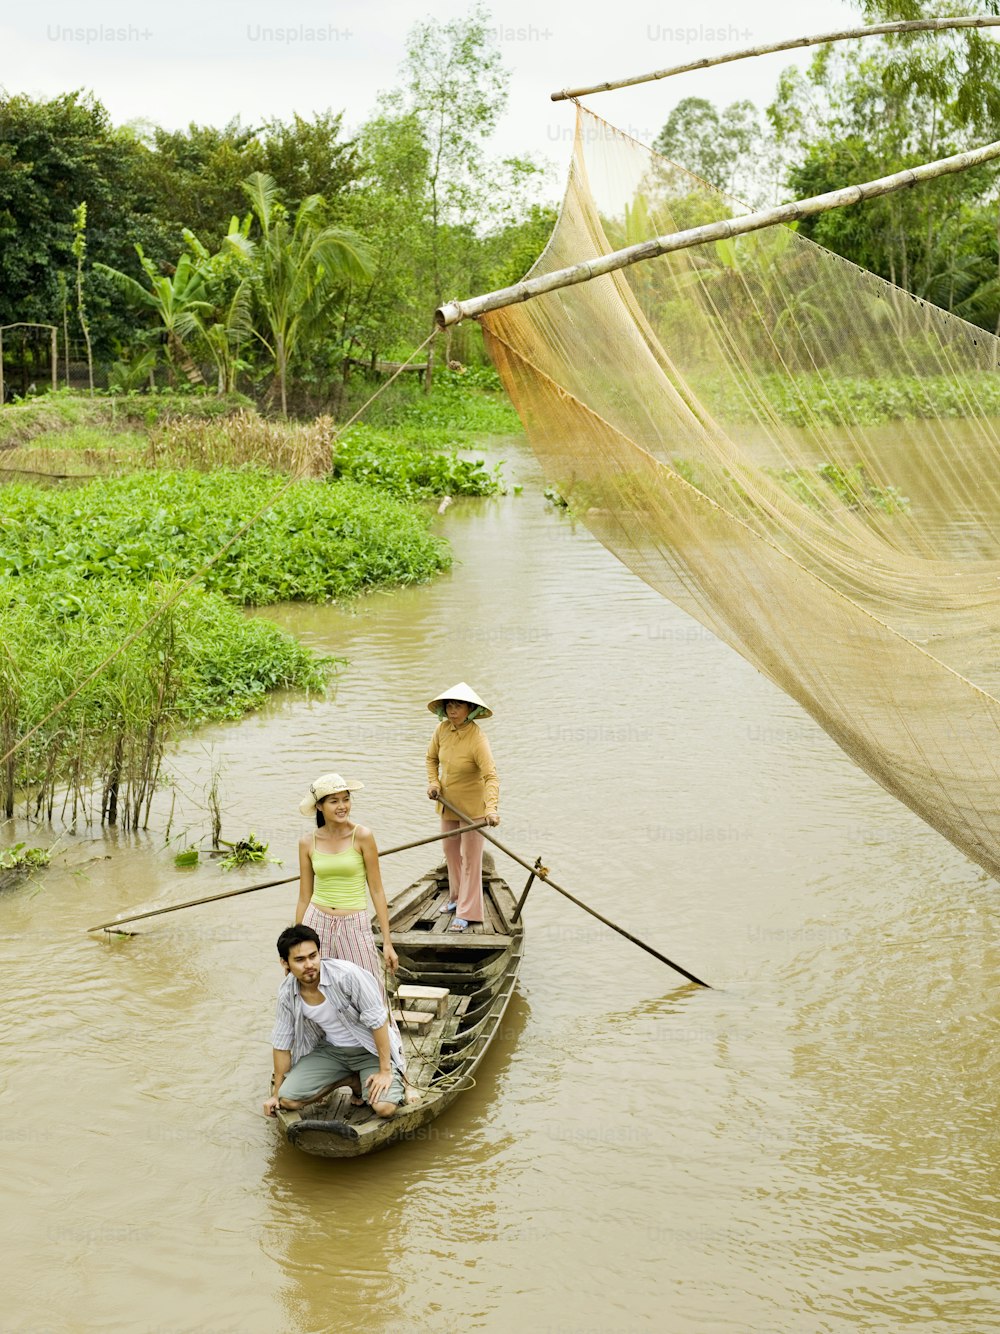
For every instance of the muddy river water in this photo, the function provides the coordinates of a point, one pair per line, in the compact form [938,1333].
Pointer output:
[810,1146]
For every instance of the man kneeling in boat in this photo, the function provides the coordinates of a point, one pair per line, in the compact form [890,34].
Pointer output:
[331,1028]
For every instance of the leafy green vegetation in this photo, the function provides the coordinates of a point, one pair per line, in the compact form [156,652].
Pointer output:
[827,399]
[246,852]
[365,454]
[19,857]
[317,541]
[462,404]
[18,861]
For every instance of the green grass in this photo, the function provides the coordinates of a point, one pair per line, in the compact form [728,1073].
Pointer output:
[461,405]
[64,411]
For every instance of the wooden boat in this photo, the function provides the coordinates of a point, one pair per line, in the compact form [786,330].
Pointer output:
[444,1035]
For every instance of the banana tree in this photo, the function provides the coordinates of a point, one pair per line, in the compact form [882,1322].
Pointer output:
[227,276]
[177,300]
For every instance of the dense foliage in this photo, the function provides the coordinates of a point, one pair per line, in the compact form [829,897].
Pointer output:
[273,257]
[862,111]
[365,454]
[313,541]
[201,658]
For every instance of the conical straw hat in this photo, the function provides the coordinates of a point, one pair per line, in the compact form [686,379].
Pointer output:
[467,695]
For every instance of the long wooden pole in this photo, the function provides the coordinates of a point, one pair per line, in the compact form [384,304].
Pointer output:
[874,30]
[541,872]
[473,307]
[267,884]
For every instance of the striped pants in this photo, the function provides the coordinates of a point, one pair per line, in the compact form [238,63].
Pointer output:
[349,936]
[346,936]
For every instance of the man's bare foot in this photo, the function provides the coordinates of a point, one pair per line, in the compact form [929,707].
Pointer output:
[413,1094]
[355,1086]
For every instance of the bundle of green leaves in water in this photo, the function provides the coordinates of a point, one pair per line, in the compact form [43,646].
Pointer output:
[19,860]
[249,849]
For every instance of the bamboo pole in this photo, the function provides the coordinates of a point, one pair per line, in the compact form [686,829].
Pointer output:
[473,307]
[268,884]
[874,30]
[541,872]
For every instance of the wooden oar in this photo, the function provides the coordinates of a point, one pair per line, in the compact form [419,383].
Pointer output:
[537,871]
[269,884]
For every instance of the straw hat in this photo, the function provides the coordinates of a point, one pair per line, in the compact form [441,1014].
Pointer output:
[323,787]
[467,695]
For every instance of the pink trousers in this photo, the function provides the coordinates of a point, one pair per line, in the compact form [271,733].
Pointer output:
[464,856]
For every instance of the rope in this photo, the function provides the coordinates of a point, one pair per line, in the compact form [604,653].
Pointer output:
[176,596]
[449,1079]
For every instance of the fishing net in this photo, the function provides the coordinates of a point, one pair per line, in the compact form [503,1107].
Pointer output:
[798,454]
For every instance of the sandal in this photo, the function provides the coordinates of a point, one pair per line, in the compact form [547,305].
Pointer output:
[448,907]
[459,924]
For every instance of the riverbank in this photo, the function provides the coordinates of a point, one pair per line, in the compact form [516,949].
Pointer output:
[112,506]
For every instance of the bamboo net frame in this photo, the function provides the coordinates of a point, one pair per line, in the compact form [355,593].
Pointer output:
[722,230]
[791,44]
[708,415]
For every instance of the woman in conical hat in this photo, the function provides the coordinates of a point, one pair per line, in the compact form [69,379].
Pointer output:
[336,863]
[460,768]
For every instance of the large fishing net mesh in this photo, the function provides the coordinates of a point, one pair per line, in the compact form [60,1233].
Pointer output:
[798,454]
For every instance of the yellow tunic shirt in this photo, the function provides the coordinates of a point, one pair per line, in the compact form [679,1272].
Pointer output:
[460,760]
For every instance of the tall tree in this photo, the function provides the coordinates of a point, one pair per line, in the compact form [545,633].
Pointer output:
[53,154]
[389,210]
[301,267]
[454,86]
[866,112]
[724,147]
[194,177]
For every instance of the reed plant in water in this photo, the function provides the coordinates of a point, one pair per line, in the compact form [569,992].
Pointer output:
[100,755]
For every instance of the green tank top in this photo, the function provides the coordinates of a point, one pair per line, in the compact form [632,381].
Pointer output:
[339,878]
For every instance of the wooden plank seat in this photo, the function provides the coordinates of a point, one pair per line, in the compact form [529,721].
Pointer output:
[457,940]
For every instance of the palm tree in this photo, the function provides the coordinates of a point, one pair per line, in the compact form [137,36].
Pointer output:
[300,266]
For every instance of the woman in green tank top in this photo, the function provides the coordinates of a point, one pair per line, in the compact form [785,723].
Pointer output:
[336,862]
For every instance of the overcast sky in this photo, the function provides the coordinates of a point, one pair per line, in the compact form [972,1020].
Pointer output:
[210,61]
